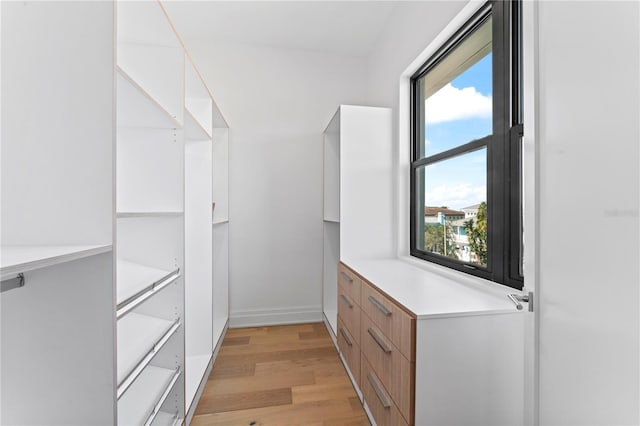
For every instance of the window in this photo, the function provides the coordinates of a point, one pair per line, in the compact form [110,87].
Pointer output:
[466,148]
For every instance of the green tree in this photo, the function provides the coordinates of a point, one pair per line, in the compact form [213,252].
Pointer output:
[477,234]
[435,236]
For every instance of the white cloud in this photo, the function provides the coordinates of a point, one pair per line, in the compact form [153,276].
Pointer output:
[456,196]
[451,103]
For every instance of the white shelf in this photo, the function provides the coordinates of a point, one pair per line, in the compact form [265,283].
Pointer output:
[195,367]
[220,220]
[138,335]
[137,108]
[124,215]
[138,406]
[331,221]
[166,419]
[20,259]
[193,130]
[133,278]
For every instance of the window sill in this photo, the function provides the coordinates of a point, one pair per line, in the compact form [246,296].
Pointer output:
[431,291]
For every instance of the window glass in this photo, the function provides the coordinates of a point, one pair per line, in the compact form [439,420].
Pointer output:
[451,193]
[457,95]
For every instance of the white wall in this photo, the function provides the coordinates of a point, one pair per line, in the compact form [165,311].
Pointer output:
[277,102]
[588,151]
[412,26]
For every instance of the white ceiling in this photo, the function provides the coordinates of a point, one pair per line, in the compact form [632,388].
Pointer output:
[342,27]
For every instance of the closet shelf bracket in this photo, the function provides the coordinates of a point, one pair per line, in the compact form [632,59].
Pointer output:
[11,283]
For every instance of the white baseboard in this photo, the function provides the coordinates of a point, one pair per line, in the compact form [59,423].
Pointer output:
[277,316]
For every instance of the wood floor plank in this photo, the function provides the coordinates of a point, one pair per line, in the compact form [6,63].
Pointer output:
[237,340]
[243,358]
[226,371]
[277,345]
[294,414]
[254,383]
[283,375]
[321,367]
[243,400]
[321,392]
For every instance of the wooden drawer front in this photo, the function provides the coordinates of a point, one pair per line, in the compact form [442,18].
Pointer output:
[393,369]
[380,404]
[395,323]
[350,282]
[349,312]
[349,350]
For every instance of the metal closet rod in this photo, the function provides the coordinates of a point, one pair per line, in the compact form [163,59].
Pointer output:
[129,304]
[133,375]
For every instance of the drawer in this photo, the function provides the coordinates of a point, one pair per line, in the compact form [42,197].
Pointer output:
[349,312]
[380,404]
[351,283]
[394,322]
[392,368]
[349,350]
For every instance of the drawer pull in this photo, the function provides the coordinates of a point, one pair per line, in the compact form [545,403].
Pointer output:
[383,345]
[346,299]
[378,389]
[380,306]
[346,276]
[346,336]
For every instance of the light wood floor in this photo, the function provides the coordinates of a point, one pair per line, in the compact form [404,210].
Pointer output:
[282,375]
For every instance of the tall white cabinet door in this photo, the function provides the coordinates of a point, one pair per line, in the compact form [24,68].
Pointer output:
[588,317]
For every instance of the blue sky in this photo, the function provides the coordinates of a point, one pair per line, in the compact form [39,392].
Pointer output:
[459,113]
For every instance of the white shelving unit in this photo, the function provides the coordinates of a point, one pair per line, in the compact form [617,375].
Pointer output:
[64,279]
[220,225]
[358,197]
[150,192]
[198,236]
[168,170]
[207,313]
[56,176]
[331,220]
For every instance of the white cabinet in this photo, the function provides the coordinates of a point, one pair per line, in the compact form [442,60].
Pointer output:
[57,352]
[150,215]
[440,350]
[357,211]
[93,335]
[169,322]
[203,121]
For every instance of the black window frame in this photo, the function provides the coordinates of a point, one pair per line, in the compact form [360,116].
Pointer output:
[504,148]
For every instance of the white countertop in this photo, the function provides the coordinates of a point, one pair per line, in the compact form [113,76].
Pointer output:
[431,295]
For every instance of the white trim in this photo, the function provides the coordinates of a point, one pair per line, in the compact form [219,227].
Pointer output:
[277,316]
[531,206]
